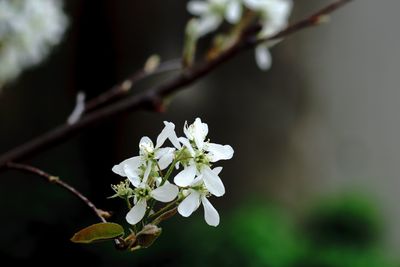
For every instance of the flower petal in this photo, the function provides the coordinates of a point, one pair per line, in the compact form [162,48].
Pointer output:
[263,57]
[186,176]
[197,7]
[172,137]
[219,152]
[210,213]
[136,214]
[147,172]
[129,168]
[217,170]
[189,204]
[208,24]
[132,175]
[146,146]
[166,160]
[234,12]
[212,182]
[168,133]
[186,131]
[134,162]
[200,131]
[165,193]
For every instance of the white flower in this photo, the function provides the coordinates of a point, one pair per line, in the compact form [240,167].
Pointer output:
[28,30]
[202,154]
[197,193]
[133,168]
[164,193]
[211,14]
[274,15]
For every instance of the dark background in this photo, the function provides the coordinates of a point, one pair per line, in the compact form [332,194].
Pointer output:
[324,120]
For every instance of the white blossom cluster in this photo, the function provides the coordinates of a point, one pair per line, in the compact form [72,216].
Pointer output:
[196,180]
[28,30]
[273,16]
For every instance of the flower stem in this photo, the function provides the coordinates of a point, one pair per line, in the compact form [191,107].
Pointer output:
[171,168]
[165,209]
[128,203]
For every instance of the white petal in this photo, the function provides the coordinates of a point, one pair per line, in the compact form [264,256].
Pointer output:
[132,175]
[210,213]
[187,144]
[189,204]
[197,7]
[164,135]
[186,176]
[165,193]
[217,170]
[186,131]
[234,12]
[134,162]
[200,131]
[263,57]
[147,171]
[172,137]
[166,159]
[208,24]
[197,181]
[160,152]
[168,133]
[212,182]
[146,145]
[219,152]
[130,168]
[136,214]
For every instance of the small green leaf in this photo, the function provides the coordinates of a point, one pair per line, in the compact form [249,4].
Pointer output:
[98,232]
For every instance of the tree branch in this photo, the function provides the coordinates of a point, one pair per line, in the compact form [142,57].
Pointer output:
[120,90]
[57,181]
[152,99]
[101,214]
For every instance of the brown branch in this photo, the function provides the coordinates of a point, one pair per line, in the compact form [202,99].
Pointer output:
[119,242]
[313,20]
[120,90]
[152,99]
[57,181]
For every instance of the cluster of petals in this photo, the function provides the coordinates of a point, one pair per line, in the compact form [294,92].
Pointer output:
[195,182]
[273,16]
[28,31]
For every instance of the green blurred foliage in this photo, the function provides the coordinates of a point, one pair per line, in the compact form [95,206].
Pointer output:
[338,232]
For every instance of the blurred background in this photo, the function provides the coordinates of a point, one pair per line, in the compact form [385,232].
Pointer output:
[314,179]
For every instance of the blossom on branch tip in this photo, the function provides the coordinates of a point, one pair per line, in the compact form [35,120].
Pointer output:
[146,182]
[202,154]
[133,167]
[196,194]
[143,193]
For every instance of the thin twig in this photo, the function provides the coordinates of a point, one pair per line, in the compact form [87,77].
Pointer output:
[119,242]
[152,98]
[56,180]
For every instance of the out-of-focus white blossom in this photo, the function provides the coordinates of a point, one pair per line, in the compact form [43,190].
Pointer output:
[29,29]
[273,16]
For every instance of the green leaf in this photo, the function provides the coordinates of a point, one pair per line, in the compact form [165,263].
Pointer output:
[98,232]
